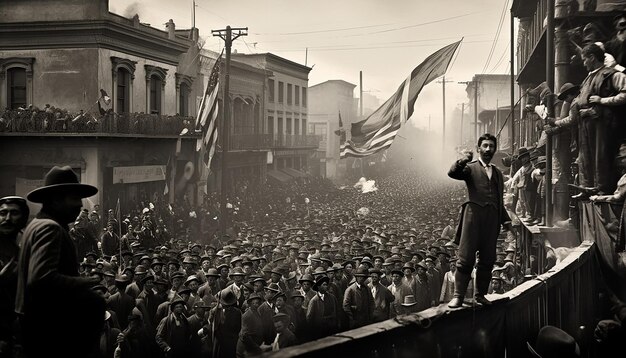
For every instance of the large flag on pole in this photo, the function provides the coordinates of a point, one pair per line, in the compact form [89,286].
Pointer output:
[206,122]
[341,132]
[378,130]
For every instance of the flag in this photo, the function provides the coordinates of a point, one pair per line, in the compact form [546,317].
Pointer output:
[104,102]
[341,132]
[378,130]
[206,122]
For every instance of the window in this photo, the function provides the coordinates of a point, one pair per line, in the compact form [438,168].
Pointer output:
[289,93]
[280,126]
[304,126]
[155,95]
[288,126]
[17,87]
[123,91]
[281,92]
[270,92]
[296,126]
[123,71]
[184,99]
[155,84]
[297,99]
[303,96]
[270,125]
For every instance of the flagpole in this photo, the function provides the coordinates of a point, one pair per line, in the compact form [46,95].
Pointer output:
[119,231]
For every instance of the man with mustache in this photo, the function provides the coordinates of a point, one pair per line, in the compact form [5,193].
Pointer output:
[481,217]
[13,217]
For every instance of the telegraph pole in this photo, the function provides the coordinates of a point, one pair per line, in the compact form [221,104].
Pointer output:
[361,95]
[228,35]
[443,86]
[462,114]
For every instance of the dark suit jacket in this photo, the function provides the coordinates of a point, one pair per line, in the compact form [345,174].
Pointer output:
[358,304]
[48,277]
[477,183]
[251,334]
[286,339]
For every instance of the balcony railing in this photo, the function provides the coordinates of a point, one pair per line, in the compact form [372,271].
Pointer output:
[57,122]
[267,141]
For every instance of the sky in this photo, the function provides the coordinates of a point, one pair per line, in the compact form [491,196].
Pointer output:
[385,39]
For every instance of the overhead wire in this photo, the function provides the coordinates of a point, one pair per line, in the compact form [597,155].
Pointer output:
[496,36]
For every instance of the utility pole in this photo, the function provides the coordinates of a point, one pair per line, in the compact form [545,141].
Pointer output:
[306,55]
[361,95]
[228,35]
[475,111]
[462,114]
[443,86]
[512,56]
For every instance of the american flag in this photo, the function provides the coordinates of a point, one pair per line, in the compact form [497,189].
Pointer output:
[206,123]
[378,131]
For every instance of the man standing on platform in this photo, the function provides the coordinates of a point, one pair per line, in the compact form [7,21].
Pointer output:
[481,217]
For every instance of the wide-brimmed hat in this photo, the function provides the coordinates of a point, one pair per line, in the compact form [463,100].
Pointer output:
[61,180]
[320,280]
[566,89]
[361,271]
[554,342]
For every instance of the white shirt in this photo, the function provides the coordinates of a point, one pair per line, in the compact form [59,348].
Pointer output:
[373,290]
[321,296]
[488,168]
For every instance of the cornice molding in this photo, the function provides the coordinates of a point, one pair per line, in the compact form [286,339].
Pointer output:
[92,34]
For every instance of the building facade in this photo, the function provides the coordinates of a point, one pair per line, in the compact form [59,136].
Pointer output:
[285,115]
[61,63]
[327,100]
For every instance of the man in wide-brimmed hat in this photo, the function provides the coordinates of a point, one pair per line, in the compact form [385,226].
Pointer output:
[48,263]
[358,303]
[554,342]
[322,311]
[251,334]
[224,324]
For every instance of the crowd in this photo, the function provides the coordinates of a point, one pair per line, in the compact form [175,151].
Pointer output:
[301,262]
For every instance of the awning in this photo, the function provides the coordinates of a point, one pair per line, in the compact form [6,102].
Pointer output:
[279,176]
[294,173]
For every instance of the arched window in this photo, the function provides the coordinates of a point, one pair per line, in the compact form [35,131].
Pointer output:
[155,84]
[123,91]
[183,99]
[123,71]
[16,83]
[155,95]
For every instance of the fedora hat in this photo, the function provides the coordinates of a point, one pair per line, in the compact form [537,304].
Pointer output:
[409,300]
[554,342]
[320,281]
[566,89]
[61,180]
[227,297]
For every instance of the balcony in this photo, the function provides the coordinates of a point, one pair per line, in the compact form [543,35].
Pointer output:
[60,123]
[530,33]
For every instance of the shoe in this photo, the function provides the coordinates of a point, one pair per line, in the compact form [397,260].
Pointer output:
[456,302]
[482,300]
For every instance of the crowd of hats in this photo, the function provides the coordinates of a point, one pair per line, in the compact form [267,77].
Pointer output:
[404,230]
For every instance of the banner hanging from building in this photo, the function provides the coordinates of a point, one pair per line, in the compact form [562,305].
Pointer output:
[138,174]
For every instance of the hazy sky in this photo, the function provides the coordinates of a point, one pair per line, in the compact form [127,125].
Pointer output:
[385,39]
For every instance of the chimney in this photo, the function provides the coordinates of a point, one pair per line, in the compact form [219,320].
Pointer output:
[171,29]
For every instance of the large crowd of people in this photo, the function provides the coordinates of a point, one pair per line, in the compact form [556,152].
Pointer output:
[301,261]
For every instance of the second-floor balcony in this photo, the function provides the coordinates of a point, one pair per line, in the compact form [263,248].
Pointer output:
[268,141]
[60,123]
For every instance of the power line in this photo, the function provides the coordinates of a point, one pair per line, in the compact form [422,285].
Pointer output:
[495,38]
[319,31]
[373,47]
[500,59]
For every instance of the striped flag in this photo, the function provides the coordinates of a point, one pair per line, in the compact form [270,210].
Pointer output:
[206,123]
[378,130]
